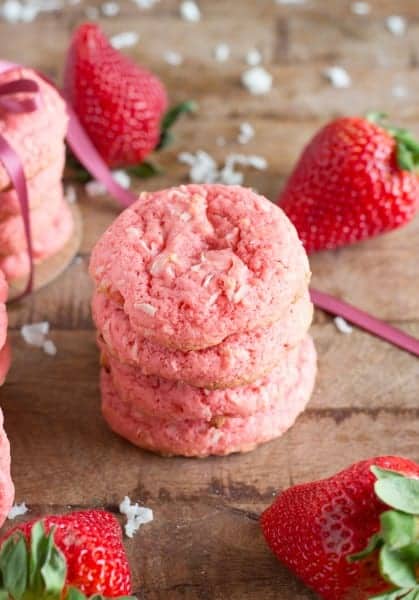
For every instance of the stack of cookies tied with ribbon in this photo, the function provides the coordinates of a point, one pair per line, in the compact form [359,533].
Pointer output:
[202,308]
[35,220]
[7,491]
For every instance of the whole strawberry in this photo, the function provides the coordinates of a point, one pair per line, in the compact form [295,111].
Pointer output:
[120,104]
[354,180]
[317,529]
[65,557]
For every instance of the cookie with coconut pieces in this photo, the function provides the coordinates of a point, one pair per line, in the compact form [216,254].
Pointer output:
[176,400]
[51,241]
[36,136]
[237,360]
[5,361]
[219,436]
[38,188]
[7,490]
[194,264]
[12,231]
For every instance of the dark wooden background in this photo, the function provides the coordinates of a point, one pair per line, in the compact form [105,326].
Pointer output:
[204,543]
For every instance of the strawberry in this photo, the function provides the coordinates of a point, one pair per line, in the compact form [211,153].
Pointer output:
[354,180]
[353,535]
[65,557]
[120,104]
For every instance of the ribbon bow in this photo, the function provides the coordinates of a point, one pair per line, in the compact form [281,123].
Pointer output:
[11,102]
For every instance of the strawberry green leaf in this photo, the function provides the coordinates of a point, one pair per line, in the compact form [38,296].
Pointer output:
[4,595]
[145,170]
[385,473]
[375,542]
[394,595]
[397,529]
[74,594]
[14,566]
[395,569]
[170,118]
[400,493]
[54,569]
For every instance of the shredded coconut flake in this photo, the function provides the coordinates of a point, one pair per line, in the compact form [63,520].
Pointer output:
[91,12]
[222,52]
[136,516]
[145,4]
[342,325]
[207,280]
[253,57]
[204,169]
[149,309]
[95,188]
[213,299]
[110,9]
[125,39]
[399,91]
[71,194]
[290,2]
[36,334]
[360,8]
[122,178]
[257,80]
[17,510]
[396,25]
[338,77]
[173,58]
[15,11]
[49,347]
[189,11]
[246,133]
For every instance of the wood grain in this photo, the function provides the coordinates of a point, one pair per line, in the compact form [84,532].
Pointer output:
[205,542]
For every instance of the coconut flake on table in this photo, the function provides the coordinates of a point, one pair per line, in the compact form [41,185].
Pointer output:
[360,8]
[338,77]
[71,194]
[95,188]
[291,2]
[91,12]
[14,11]
[257,80]
[173,58]
[126,39]
[189,11]
[396,25]
[146,4]
[399,91]
[110,9]
[122,178]
[136,516]
[342,325]
[36,334]
[246,133]
[222,52]
[17,510]
[204,168]
[253,57]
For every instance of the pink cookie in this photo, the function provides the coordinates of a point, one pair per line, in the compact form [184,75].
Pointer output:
[178,401]
[5,360]
[4,288]
[3,324]
[200,438]
[239,359]
[12,232]
[17,265]
[38,188]
[195,264]
[7,490]
[35,136]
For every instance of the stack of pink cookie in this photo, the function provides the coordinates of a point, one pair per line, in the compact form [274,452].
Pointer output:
[202,308]
[38,139]
[5,354]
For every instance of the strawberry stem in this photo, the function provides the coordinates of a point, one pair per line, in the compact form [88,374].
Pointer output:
[407,147]
[397,542]
[170,118]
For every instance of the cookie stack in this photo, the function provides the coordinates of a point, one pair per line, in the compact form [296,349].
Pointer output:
[202,310]
[38,139]
[5,354]
[7,490]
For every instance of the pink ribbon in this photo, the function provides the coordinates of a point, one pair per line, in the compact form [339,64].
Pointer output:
[89,157]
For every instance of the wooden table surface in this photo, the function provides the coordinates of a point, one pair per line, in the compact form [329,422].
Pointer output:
[205,542]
